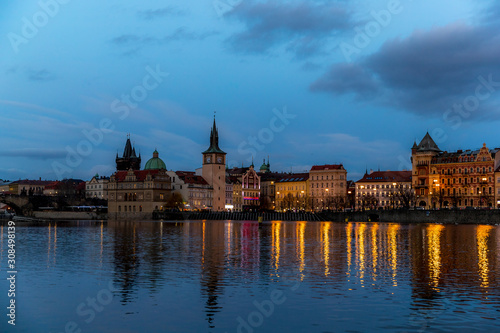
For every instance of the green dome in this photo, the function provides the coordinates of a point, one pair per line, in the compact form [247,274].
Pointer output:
[264,166]
[155,163]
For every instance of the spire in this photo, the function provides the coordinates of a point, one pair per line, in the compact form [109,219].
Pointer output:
[127,152]
[214,141]
[252,162]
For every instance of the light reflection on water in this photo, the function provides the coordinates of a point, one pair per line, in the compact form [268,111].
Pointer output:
[212,276]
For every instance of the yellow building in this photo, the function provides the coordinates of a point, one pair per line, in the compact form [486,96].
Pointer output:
[292,192]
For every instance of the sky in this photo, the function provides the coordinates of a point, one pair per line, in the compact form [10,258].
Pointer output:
[303,82]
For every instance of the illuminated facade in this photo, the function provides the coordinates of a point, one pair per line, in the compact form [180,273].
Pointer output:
[328,187]
[250,189]
[384,189]
[457,179]
[292,192]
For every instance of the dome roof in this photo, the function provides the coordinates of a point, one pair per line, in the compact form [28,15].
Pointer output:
[264,166]
[155,163]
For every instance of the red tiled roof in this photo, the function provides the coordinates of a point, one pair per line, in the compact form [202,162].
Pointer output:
[140,174]
[327,167]
[81,186]
[386,176]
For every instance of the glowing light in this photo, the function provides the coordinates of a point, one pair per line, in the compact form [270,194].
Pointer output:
[374,250]
[482,235]
[393,251]
[326,246]
[434,251]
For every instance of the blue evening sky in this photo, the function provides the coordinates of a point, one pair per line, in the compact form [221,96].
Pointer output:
[305,82]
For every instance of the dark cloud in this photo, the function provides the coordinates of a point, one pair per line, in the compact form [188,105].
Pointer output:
[178,35]
[33,153]
[426,73]
[152,14]
[40,75]
[302,27]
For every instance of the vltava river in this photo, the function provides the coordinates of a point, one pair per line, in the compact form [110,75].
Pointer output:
[223,276]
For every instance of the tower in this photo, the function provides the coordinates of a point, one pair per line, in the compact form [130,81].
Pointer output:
[421,158]
[129,160]
[214,170]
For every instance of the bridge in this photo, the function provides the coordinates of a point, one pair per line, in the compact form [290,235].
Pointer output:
[20,204]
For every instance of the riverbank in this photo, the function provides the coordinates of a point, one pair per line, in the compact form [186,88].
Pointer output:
[397,216]
[476,216]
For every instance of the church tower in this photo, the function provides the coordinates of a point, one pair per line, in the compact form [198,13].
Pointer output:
[214,170]
[129,160]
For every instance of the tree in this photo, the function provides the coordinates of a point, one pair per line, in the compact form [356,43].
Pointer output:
[175,201]
[404,194]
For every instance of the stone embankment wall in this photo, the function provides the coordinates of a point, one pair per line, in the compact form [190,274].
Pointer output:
[69,216]
[419,216]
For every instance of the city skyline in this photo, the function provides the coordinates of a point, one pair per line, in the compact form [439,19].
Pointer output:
[353,97]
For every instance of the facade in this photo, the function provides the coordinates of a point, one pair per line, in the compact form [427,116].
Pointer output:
[497,188]
[250,187]
[137,193]
[385,190]
[129,160]
[195,191]
[28,187]
[328,187]
[237,194]
[95,188]
[229,195]
[292,192]
[214,171]
[453,179]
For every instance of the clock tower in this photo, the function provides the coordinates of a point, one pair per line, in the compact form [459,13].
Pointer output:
[214,170]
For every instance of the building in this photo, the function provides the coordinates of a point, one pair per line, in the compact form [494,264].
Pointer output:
[250,188]
[229,195]
[29,187]
[214,170]
[195,190]
[138,193]
[292,192]
[129,160]
[95,188]
[453,179]
[4,186]
[384,189]
[328,187]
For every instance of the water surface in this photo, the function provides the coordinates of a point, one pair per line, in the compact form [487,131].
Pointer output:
[234,276]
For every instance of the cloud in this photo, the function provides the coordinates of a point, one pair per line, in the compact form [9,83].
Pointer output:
[152,14]
[425,73]
[42,75]
[301,26]
[35,153]
[178,35]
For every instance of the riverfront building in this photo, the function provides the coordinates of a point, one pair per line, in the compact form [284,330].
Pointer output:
[454,179]
[214,170]
[328,187]
[292,192]
[384,189]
